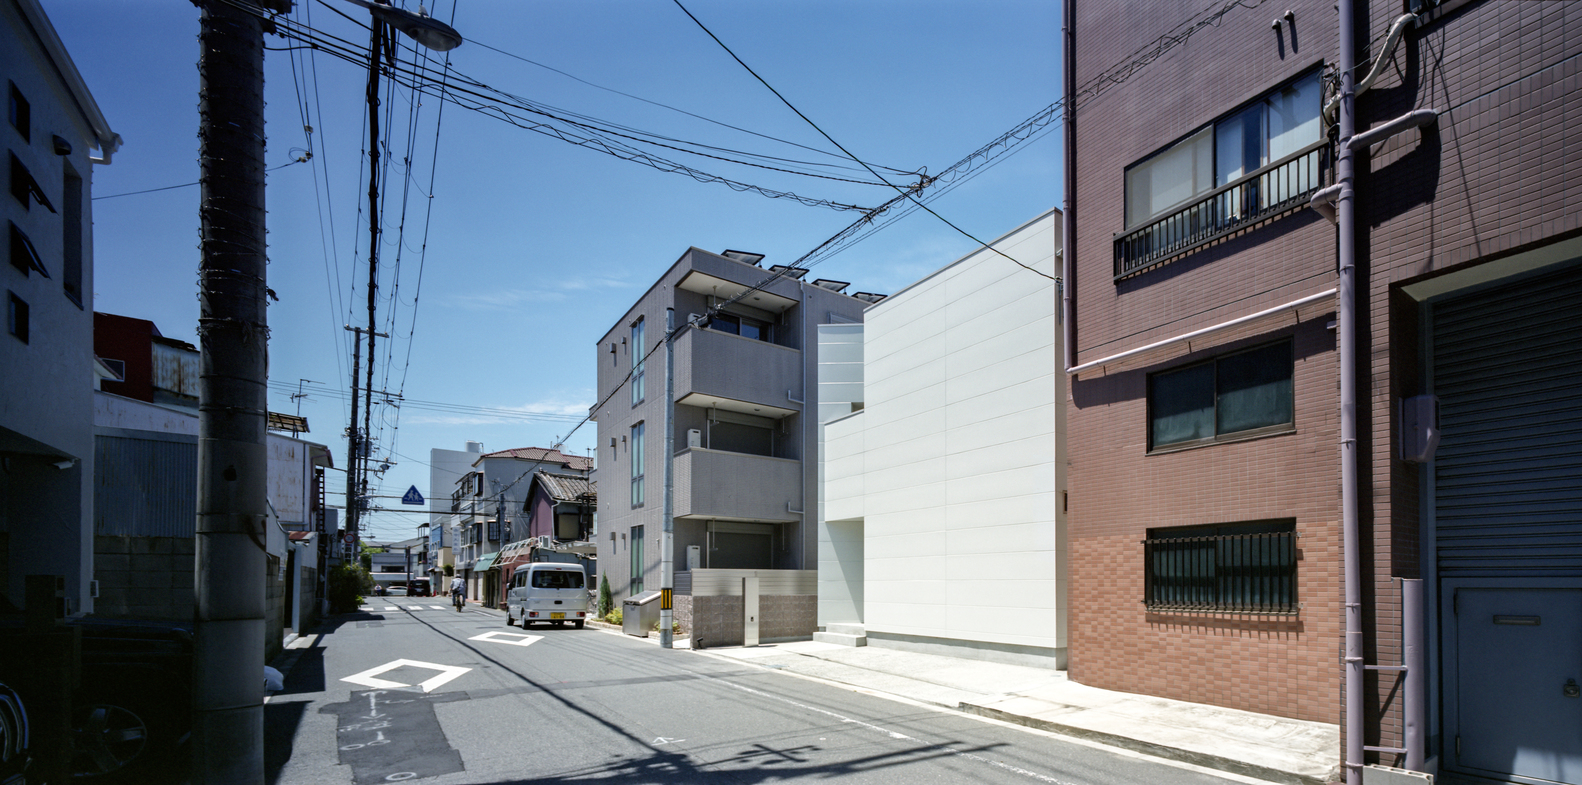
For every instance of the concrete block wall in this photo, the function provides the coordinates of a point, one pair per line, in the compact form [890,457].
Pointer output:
[144,577]
[717,621]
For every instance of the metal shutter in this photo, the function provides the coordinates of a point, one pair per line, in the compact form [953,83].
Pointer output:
[1508,474]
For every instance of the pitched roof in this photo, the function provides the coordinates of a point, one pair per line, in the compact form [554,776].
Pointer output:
[564,487]
[547,455]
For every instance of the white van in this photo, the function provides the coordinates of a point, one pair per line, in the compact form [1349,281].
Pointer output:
[551,592]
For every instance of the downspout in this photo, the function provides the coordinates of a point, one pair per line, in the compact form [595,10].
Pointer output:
[1068,222]
[1351,540]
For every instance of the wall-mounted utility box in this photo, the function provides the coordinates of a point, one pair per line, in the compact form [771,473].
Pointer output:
[1419,428]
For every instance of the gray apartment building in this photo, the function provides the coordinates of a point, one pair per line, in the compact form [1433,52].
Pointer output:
[1309,448]
[745,475]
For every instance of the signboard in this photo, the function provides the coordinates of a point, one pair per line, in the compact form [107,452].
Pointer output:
[412,496]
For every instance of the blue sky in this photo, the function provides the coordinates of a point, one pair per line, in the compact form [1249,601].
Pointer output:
[530,248]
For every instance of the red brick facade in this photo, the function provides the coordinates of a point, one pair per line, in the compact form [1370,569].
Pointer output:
[1500,173]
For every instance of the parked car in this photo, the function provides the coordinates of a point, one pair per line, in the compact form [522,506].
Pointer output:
[549,592]
[133,708]
[13,737]
[395,591]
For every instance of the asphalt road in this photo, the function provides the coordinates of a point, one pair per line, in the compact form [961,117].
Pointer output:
[423,692]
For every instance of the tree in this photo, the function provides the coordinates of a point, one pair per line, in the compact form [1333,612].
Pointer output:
[605,601]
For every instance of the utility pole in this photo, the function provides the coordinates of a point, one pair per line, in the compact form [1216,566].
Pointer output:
[356,441]
[667,559]
[351,433]
[233,331]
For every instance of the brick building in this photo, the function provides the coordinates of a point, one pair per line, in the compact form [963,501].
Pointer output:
[1207,515]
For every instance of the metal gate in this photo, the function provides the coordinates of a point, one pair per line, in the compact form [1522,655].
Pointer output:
[1507,516]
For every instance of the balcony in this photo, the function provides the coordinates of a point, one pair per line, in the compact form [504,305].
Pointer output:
[736,486]
[717,366]
[1264,195]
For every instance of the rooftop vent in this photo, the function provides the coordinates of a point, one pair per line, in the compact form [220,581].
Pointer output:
[870,297]
[834,286]
[790,272]
[747,257]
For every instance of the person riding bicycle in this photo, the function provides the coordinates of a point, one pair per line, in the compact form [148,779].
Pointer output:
[458,590]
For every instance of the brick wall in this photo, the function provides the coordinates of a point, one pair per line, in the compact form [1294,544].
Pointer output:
[1499,174]
[1278,665]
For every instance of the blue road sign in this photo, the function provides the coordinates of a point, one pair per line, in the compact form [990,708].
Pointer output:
[412,496]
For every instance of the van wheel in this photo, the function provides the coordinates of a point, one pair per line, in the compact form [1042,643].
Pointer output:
[577,624]
[509,622]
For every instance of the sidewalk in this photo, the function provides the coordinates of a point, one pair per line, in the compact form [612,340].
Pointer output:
[1240,742]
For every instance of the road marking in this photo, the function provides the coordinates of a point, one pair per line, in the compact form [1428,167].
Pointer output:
[658,740]
[498,636]
[901,736]
[436,607]
[392,608]
[369,678]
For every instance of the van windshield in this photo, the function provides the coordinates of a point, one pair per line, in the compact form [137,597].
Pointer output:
[557,579]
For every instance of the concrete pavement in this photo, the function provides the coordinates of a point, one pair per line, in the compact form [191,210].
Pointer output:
[1240,742]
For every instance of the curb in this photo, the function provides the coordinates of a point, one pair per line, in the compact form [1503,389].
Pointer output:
[1204,759]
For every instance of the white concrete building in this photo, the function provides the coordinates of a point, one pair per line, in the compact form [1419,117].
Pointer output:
[51,129]
[941,525]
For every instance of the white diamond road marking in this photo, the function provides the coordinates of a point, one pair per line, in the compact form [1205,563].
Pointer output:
[368,678]
[499,636]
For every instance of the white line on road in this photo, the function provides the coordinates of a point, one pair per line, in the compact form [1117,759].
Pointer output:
[368,678]
[901,736]
[499,636]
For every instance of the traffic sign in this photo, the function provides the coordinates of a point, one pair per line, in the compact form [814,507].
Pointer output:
[412,496]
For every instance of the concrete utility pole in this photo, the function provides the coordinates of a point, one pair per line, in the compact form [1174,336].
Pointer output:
[667,559]
[228,657]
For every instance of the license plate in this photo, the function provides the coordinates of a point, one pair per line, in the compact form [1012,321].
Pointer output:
[557,615]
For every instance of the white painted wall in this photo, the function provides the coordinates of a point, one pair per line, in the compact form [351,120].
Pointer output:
[952,465]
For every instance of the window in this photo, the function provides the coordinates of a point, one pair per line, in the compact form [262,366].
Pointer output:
[17,317]
[745,326]
[557,579]
[637,362]
[71,236]
[25,188]
[20,114]
[1242,567]
[1244,394]
[637,465]
[24,256]
[568,526]
[637,559]
[1273,127]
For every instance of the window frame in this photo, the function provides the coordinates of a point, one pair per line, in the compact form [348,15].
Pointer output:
[1229,587]
[18,318]
[1217,437]
[19,111]
[1129,223]
[637,340]
[637,439]
[635,549]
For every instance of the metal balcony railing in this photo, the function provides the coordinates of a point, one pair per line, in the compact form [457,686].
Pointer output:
[1275,189]
[1231,573]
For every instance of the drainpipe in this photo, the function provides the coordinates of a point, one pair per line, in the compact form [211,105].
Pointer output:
[1068,223]
[1351,540]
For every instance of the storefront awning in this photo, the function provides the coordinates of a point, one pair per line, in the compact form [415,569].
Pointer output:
[485,562]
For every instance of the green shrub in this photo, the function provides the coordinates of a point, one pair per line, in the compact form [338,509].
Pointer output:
[606,603]
[614,616]
[348,585]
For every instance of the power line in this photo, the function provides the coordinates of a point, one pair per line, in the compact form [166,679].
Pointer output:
[907,193]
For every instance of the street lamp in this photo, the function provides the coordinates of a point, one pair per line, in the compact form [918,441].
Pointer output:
[420,27]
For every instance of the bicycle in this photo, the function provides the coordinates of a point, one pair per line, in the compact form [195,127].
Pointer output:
[458,599]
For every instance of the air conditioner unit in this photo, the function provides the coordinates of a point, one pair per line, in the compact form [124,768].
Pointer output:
[694,437]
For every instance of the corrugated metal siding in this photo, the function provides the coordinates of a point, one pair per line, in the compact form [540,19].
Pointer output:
[1508,473]
[728,583]
[145,487]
